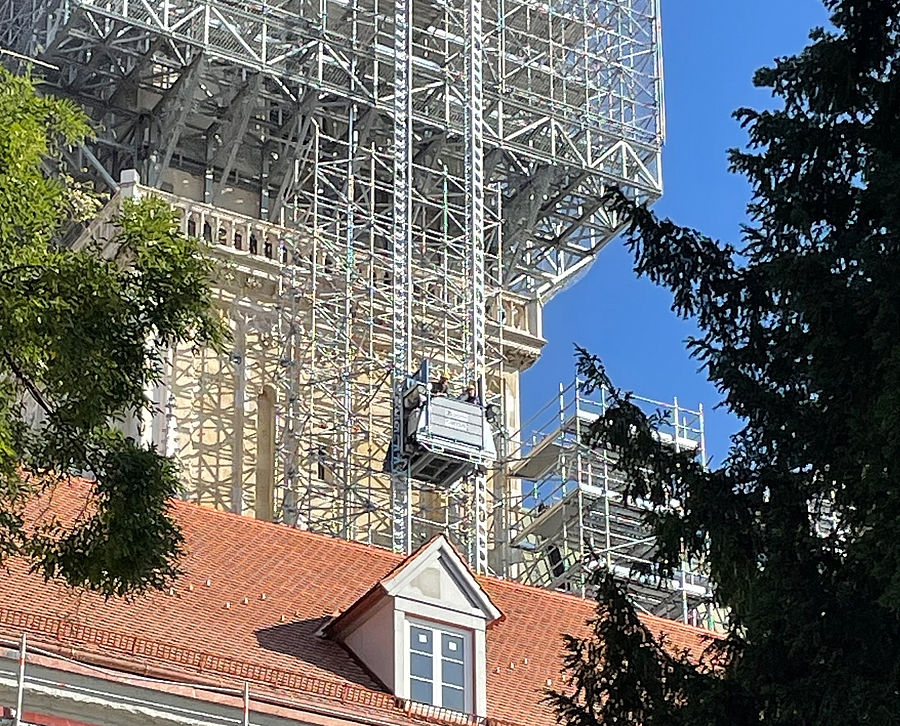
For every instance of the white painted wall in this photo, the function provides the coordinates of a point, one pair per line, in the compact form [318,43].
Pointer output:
[436,585]
[372,641]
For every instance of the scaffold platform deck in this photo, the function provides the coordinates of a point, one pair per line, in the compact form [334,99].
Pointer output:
[574,514]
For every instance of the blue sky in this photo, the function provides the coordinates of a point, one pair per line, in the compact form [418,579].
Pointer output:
[710,49]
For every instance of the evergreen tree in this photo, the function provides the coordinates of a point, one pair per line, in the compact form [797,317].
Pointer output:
[800,332]
[81,339]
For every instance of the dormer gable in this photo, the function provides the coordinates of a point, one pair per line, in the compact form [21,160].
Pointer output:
[421,630]
[436,575]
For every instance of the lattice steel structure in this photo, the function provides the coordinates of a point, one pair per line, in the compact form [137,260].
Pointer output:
[386,180]
[573,516]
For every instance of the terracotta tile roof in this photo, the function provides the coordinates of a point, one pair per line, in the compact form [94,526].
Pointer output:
[251,605]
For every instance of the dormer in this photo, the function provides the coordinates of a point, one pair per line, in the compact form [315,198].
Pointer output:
[421,630]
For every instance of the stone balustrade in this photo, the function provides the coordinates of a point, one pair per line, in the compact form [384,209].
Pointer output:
[272,245]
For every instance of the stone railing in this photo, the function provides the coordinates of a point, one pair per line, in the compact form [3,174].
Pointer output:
[232,230]
[515,313]
[264,244]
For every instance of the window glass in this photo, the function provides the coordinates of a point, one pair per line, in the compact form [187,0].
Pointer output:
[421,666]
[453,698]
[420,691]
[451,646]
[453,673]
[420,640]
[437,676]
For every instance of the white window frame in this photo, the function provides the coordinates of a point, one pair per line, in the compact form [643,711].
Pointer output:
[437,629]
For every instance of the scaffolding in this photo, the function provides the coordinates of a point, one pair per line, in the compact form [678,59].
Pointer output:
[384,182]
[573,515]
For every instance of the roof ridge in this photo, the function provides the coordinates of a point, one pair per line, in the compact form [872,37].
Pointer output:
[524,586]
[672,624]
[204,510]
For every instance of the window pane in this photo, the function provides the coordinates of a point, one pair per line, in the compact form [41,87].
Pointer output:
[452,698]
[420,640]
[452,673]
[420,665]
[451,646]
[420,691]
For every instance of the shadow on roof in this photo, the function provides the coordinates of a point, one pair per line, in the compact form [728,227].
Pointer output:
[300,640]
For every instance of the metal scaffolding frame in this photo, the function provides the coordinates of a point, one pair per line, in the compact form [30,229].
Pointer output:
[573,516]
[384,182]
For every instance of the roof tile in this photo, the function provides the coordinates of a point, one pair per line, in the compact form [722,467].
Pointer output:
[217,622]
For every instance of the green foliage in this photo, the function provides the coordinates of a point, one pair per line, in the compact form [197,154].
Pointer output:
[800,332]
[641,680]
[128,538]
[82,337]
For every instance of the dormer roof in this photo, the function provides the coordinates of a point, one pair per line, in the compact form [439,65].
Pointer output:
[434,574]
